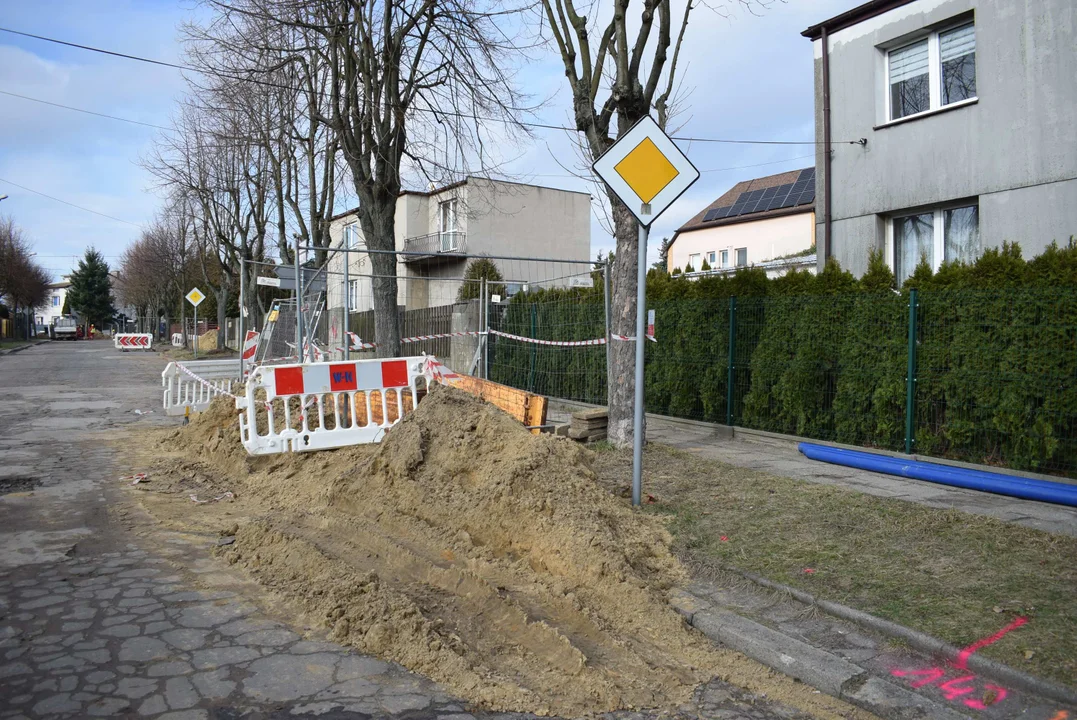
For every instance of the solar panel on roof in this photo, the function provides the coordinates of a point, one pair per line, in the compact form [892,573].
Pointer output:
[790,200]
[806,197]
[710,215]
[807,173]
[769,192]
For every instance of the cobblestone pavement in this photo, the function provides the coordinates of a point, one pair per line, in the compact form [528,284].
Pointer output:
[103,615]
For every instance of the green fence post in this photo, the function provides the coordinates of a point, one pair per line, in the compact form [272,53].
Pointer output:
[534,349]
[910,374]
[729,360]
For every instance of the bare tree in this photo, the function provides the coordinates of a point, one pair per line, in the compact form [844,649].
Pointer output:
[23,282]
[618,71]
[396,72]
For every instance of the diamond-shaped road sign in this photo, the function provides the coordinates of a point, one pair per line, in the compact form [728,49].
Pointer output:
[646,170]
[195,297]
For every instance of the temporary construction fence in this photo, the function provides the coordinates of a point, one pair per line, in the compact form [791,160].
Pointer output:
[985,376]
[191,385]
[317,406]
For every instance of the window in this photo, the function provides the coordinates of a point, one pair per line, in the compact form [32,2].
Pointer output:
[932,72]
[710,258]
[725,258]
[447,224]
[353,294]
[742,257]
[944,235]
[693,263]
[56,301]
[352,236]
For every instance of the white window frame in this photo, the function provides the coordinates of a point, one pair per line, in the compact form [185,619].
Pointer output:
[725,258]
[712,258]
[353,294]
[934,73]
[698,263]
[448,233]
[351,235]
[938,227]
[736,256]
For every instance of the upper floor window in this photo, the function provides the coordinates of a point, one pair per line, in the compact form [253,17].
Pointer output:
[710,258]
[693,263]
[447,217]
[742,256]
[725,258]
[932,72]
[943,235]
[352,235]
[56,301]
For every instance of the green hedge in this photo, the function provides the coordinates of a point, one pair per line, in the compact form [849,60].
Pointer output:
[824,356]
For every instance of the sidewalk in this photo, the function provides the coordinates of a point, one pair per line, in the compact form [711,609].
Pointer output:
[780,457]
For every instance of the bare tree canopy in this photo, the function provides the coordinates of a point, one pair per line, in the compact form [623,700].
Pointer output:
[388,78]
[23,282]
[620,68]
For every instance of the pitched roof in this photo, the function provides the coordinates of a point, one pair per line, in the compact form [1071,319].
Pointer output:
[852,17]
[749,200]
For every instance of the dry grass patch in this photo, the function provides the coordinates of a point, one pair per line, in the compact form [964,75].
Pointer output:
[957,576]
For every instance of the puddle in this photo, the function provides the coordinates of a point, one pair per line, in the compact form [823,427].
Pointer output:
[18,484]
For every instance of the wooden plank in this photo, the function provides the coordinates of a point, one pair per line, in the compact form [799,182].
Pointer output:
[528,408]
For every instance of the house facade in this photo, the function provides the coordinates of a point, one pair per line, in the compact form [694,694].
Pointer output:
[54,304]
[438,231]
[755,222]
[945,127]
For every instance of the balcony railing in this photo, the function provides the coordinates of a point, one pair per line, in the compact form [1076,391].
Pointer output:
[453,241]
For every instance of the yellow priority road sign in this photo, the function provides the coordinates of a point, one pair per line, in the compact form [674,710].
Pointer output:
[646,170]
[195,297]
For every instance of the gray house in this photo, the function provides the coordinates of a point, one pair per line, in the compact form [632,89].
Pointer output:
[945,127]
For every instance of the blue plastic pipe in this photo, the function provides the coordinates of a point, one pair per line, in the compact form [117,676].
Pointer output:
[1020,487]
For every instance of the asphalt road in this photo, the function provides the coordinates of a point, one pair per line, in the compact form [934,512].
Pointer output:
[102,614]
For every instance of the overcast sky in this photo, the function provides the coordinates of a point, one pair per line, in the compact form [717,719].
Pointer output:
[749,77]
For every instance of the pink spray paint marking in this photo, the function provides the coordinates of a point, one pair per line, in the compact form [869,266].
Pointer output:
[963,656]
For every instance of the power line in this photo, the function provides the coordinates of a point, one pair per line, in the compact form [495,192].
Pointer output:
[88,112]
[65,202]
[446,113]
[713,170]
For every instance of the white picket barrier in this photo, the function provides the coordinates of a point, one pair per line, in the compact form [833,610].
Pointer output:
[132,341]
[317,406]
[193,384]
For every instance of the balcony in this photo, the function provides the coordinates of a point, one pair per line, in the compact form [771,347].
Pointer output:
[434,245]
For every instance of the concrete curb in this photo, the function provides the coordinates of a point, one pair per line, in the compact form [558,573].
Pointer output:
[818,668]
[12,351]
[991,669]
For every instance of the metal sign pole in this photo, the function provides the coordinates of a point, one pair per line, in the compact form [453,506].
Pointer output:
[347,304]
[195,332]
[242,290]
[641,331]
[299,350]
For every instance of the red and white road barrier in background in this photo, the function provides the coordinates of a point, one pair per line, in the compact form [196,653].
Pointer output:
[339,403]
[132,341]
[250,344]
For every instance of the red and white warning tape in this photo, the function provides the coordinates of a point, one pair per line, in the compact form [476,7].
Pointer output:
[205,382]
[358,344]
[568,343]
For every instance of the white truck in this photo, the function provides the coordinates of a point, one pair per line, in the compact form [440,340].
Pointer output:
[65,327]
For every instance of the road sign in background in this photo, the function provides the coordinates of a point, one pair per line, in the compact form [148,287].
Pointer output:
[646,170]
[195,297]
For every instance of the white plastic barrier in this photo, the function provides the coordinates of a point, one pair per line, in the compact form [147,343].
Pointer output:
[317,406]
[177,339]
[132,341]
[194,384]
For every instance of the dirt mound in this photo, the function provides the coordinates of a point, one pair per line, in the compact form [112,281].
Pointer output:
[466,549]
[488,558]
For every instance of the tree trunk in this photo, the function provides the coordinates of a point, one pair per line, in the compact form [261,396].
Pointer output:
[222,320]
[381,236]
[622,372]
[183,318]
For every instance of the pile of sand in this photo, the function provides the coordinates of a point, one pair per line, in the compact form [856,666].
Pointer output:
[207,341]
[471,551]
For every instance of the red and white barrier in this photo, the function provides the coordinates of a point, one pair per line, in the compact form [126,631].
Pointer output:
[250,344]
[192,385]
[132,341]
[317,406]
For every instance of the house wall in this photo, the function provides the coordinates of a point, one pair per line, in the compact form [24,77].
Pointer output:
[498,218]
[765,240]
[53,307]
[1015,149]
